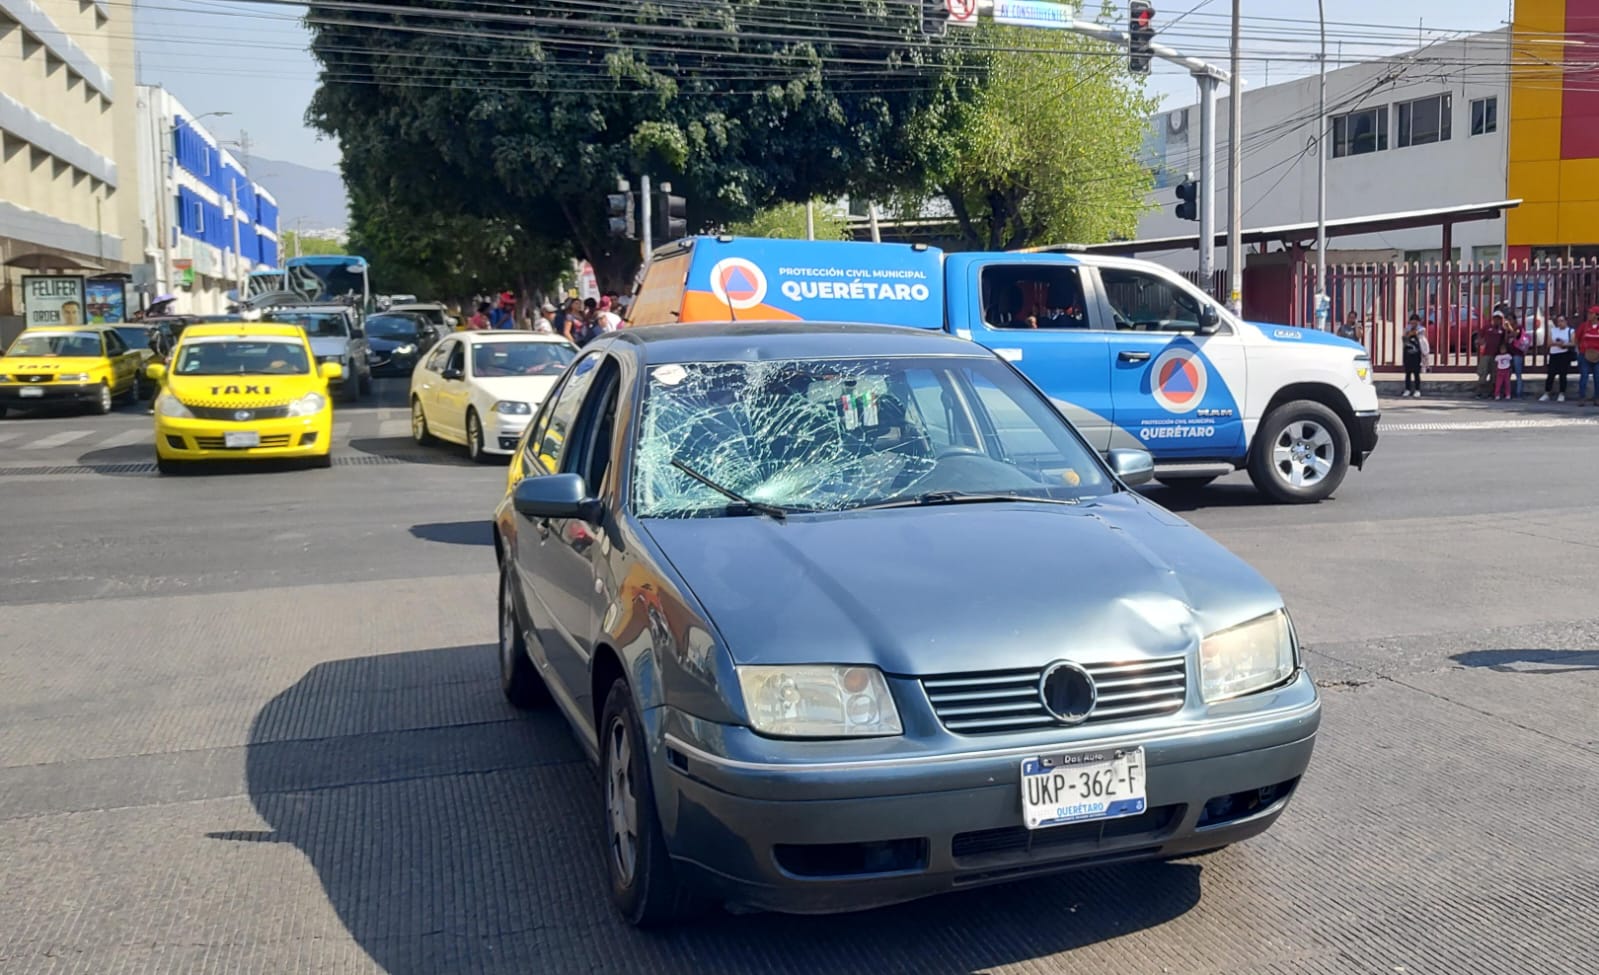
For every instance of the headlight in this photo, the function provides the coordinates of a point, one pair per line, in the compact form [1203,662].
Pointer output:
[73,377]
[818,701]
[4,377]
[1363,368]
[168,405]
[1246,658]
[512,406]
[405,350]
[308,405]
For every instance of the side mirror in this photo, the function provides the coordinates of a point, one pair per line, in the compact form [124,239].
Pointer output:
[331,371]
[1133,466]
[452,374]
[1209,320]
[155,372]
[556,496]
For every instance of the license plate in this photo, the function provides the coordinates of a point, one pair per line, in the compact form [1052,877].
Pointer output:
[1075,787]
[30,391]
[241,438]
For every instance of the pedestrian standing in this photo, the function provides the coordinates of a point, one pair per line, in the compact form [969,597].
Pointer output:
[504,314]
[607,319]
[1490,343]
[1520,343]
[479,320]
[545,323]
[570,322]
[1414,338]
[1560,339]
[1502,375]
[1588,358]
[1352,330]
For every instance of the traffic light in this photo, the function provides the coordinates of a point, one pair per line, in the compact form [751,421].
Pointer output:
[1188,200]
[620,208]
[674,215]
[932,17]
[1140,34]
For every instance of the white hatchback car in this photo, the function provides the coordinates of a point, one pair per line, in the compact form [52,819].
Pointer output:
[481,388]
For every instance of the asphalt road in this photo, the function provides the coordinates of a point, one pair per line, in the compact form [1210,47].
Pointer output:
[249,723]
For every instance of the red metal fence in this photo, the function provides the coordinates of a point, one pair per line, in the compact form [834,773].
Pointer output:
[1454,300]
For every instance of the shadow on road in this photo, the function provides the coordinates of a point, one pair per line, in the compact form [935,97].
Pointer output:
[406,450]
[455,532]
[1530,661]
[453,835]
[1210,496]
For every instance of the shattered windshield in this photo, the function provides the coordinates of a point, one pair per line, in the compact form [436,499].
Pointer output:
[835,434]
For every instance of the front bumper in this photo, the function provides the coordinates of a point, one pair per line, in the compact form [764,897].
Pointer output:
[1363,437]
[819,837]
[301,436]
[384,364]
[503,431]
[35,394]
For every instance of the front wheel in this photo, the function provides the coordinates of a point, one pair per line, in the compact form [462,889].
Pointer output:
[474,438]
[102,404]
[419,423]
[519,679]
[321,461]
[168,467]
[644,886]
[1301,453]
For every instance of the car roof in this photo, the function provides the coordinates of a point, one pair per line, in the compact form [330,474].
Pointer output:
[85,327]
[509,334]
[316,307]
[414,305]
[242,329]
[738,341]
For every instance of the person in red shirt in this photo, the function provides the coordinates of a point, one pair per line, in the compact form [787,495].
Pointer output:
[1491,340]
[1588,357]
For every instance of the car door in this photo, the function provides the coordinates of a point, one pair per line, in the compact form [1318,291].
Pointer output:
[1174,392]
[427,378]
[554,555]
[124,362]
[451,395]
[1040,312]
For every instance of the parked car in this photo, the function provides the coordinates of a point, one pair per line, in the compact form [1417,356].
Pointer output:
[480,389]
[849,615]
[397,341]
[83,365]
[336,336]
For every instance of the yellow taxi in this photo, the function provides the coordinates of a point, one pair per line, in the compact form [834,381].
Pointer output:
[86,365]
[243,390]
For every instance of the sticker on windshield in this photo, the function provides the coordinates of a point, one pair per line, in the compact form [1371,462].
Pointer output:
[669,375]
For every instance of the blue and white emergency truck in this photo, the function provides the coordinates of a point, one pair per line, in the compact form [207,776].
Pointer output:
[1131,352]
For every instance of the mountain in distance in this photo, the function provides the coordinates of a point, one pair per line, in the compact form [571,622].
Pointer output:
[308,199]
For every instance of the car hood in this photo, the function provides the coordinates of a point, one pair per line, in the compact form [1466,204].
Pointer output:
[242,391]
[330,346]
[525,389]
[968,587]
[48,365]
[381,344]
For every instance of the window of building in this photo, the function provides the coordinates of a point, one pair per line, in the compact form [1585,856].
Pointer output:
[1487,253]
[199,217]
[1432,256]
[1425,120]
[1484,115]
[1357,133]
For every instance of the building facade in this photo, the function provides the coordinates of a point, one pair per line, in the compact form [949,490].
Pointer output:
[1424,130]
[207,224]
[69,198]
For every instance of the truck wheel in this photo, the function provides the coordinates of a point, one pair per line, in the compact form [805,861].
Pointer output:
[1301,453]
[1186,483]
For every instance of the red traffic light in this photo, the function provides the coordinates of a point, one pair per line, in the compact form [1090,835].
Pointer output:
[1144,17]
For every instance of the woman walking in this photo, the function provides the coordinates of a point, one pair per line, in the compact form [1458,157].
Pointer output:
[1560,339]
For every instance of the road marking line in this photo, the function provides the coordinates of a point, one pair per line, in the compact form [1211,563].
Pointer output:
[11,435]
[128,437]
[1490,425]
[57,439]
[394,428]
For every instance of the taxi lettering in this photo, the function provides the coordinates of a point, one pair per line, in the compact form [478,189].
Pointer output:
[241,390]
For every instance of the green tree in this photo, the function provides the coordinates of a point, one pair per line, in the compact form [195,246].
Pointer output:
[788,220]
[1049,151]
[292,243]
[530,116]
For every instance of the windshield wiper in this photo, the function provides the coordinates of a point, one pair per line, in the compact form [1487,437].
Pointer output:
[935,498]
[776,512]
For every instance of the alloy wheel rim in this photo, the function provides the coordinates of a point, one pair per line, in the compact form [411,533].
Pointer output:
[1303,454]
[507,628]
[621,804]
[105,396]
[419,422]
[474,435]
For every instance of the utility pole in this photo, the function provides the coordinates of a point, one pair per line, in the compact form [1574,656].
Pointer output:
[810,220]
[871,211]
[1235,178]
[647,222]
[238,258]
[1322,149]
[1208,83]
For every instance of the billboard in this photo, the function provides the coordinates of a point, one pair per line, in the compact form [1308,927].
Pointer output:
[52,299]
[106,301]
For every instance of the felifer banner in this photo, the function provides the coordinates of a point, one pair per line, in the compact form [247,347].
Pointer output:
[52,300]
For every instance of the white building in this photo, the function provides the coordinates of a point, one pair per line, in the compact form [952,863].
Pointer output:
[207,224]
[1419,131]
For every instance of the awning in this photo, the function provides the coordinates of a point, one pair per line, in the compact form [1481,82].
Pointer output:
[1302,233]
[40,261]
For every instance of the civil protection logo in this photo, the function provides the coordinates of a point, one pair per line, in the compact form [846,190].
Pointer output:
[738,283]
[1177,380]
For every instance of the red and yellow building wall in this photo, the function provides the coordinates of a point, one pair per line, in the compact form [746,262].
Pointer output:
[1553,130]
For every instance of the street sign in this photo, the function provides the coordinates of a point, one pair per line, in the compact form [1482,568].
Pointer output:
[962,13]
[1033,13]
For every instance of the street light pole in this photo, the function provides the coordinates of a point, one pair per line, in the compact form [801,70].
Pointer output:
[1235,179]
[238,255]
[1322,149]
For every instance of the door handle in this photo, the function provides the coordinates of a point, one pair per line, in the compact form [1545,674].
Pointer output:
[1133,356]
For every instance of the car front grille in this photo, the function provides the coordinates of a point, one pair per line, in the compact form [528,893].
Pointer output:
[32,377]
[218,443]
[997,701]
[231,412]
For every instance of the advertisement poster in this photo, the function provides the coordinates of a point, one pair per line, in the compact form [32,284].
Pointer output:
[52,300]
[107,302]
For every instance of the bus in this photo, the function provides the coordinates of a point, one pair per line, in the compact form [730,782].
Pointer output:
[330,278]
[263,283]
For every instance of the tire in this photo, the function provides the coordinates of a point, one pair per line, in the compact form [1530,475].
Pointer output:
[1193,483]
[644,886]
[321,462]
[1301,453]
[168,467]
[419,423]
[474,438]
[103,405]
[519,678]
[2,413]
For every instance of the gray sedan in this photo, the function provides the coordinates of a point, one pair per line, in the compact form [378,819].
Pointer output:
[851,615]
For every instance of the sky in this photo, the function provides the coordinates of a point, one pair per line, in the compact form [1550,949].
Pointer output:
[250,59]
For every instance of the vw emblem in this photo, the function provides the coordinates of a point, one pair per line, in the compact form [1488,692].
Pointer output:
[241,415]
[1067,692]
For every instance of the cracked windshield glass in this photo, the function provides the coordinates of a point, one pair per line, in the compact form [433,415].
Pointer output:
[835,434]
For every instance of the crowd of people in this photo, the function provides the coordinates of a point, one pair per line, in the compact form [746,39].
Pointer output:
[580,320]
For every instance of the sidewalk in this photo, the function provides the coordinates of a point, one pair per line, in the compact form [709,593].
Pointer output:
[1459,411]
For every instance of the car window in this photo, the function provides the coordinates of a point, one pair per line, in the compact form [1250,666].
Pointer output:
[393,327]
[1146,302]
[319,325]
[591,454]
[532,453]
[1041,296]
[491,359]
[57,344]
[457,360]
[835,434]
[563,413]
[242,357]
[440,355]
[114,344]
